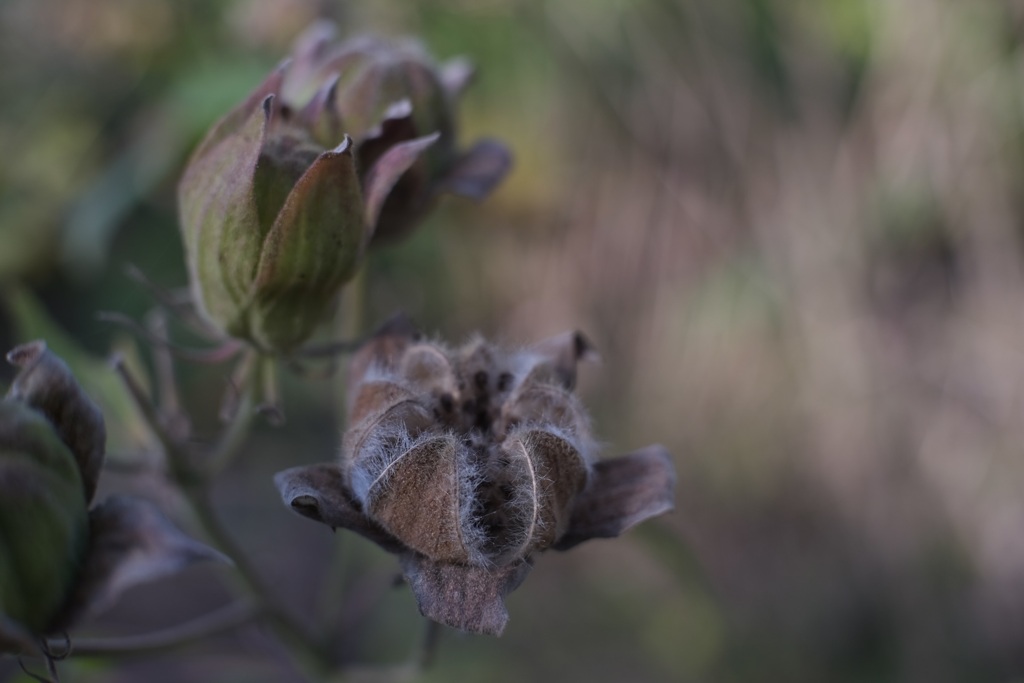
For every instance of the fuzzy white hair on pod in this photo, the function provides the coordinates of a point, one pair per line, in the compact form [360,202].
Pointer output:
[377,456]
[472,475]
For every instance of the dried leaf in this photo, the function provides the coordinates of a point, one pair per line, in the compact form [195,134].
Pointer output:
[396,127]
[45,383]
[623,492]
[464,597]
[384,174]
[543,473]
[320,493]
[132,542]
[479,170]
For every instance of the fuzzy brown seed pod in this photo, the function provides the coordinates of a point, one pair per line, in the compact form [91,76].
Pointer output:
[469,461]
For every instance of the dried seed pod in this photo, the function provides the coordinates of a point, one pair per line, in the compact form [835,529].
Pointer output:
[467,463]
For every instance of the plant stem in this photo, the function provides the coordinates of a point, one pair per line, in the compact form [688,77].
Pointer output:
[350,324]
[193,485]
[214,623]
[428,646]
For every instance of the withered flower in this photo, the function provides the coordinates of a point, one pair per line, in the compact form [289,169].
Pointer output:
[282,197]
[60,561]
[468,462]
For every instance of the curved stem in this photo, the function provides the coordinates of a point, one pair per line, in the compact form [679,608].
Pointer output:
[214,623]
[194,487]
[217,354]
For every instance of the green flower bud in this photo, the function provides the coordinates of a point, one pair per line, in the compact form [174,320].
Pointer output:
[341,145]
[44,523]
[273,224]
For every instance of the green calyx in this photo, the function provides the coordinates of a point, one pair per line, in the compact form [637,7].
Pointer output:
[273,228]
[44,524]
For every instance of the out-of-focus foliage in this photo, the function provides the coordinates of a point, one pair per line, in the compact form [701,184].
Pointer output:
[791,227]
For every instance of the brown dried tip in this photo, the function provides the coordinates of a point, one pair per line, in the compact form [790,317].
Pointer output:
[46,384]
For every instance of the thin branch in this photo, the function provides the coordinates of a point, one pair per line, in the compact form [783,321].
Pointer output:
[427,650]
[218,354]
[220,621]
[194,487]
[174,454]
[178,302]
[234,436]
[36,677]
[331,349]
[291,631]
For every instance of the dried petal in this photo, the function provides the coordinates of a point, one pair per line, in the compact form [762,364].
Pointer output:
[623,492]
[45,383]
[385,174]
[397,126]
[132,542]
[464,597]
[320,493]
[478,170]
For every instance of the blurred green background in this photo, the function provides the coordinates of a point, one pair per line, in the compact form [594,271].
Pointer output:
[793,229]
